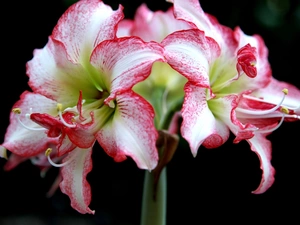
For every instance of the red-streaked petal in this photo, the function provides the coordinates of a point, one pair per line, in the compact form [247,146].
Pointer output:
[125,62]
[84,25]
[81,137]
[152,26]
[199,124]
[124,28]
[20,140]
[74,183]
[53,75]
[262,147]
[190,53]
[219,135]
[131,132]
[191,11]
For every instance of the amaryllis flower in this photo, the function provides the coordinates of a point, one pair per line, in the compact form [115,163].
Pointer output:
[230,86]
[81,85]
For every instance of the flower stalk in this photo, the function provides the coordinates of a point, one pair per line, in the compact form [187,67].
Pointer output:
[154,201]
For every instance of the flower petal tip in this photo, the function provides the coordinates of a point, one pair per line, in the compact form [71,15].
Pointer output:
[3,152]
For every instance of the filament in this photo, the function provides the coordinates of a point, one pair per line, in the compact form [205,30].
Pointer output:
[48,152]
[264,112]
[18,111]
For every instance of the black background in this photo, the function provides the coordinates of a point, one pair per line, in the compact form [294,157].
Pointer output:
[213,188]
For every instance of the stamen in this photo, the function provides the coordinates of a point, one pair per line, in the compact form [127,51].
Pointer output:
[264,112]
[284,111]
[18,112]
[59,110]
[48,152]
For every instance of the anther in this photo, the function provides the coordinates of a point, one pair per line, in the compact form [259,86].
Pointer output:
[284,110]
[285,91]
[59,107]
[48,152]
[16,110]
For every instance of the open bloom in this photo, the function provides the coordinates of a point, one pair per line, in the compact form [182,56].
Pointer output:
[82,93]
[230,86]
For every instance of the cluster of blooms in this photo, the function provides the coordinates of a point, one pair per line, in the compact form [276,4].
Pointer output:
[119,82]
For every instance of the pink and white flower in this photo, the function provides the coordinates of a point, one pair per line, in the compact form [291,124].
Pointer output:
[230,86]
[82,93]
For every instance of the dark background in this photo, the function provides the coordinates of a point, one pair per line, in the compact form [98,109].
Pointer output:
[213,188]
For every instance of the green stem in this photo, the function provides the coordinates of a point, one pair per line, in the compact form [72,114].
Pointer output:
[154,210]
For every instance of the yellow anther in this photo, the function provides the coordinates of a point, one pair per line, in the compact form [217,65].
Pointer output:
[284,110]
[252,63]
[16,110]
[48,152]
[59,107]
[285,91]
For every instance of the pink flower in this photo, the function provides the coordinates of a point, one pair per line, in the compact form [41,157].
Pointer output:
[82,93]
[230,87]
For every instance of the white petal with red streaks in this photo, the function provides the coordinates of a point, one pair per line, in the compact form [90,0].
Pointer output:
[84,25]
[20,140]
[125,62]
[74,183]
[191,53]
[262,147]
[198,120]
[53,75]
[131,132]
[152,26]
[191,11]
